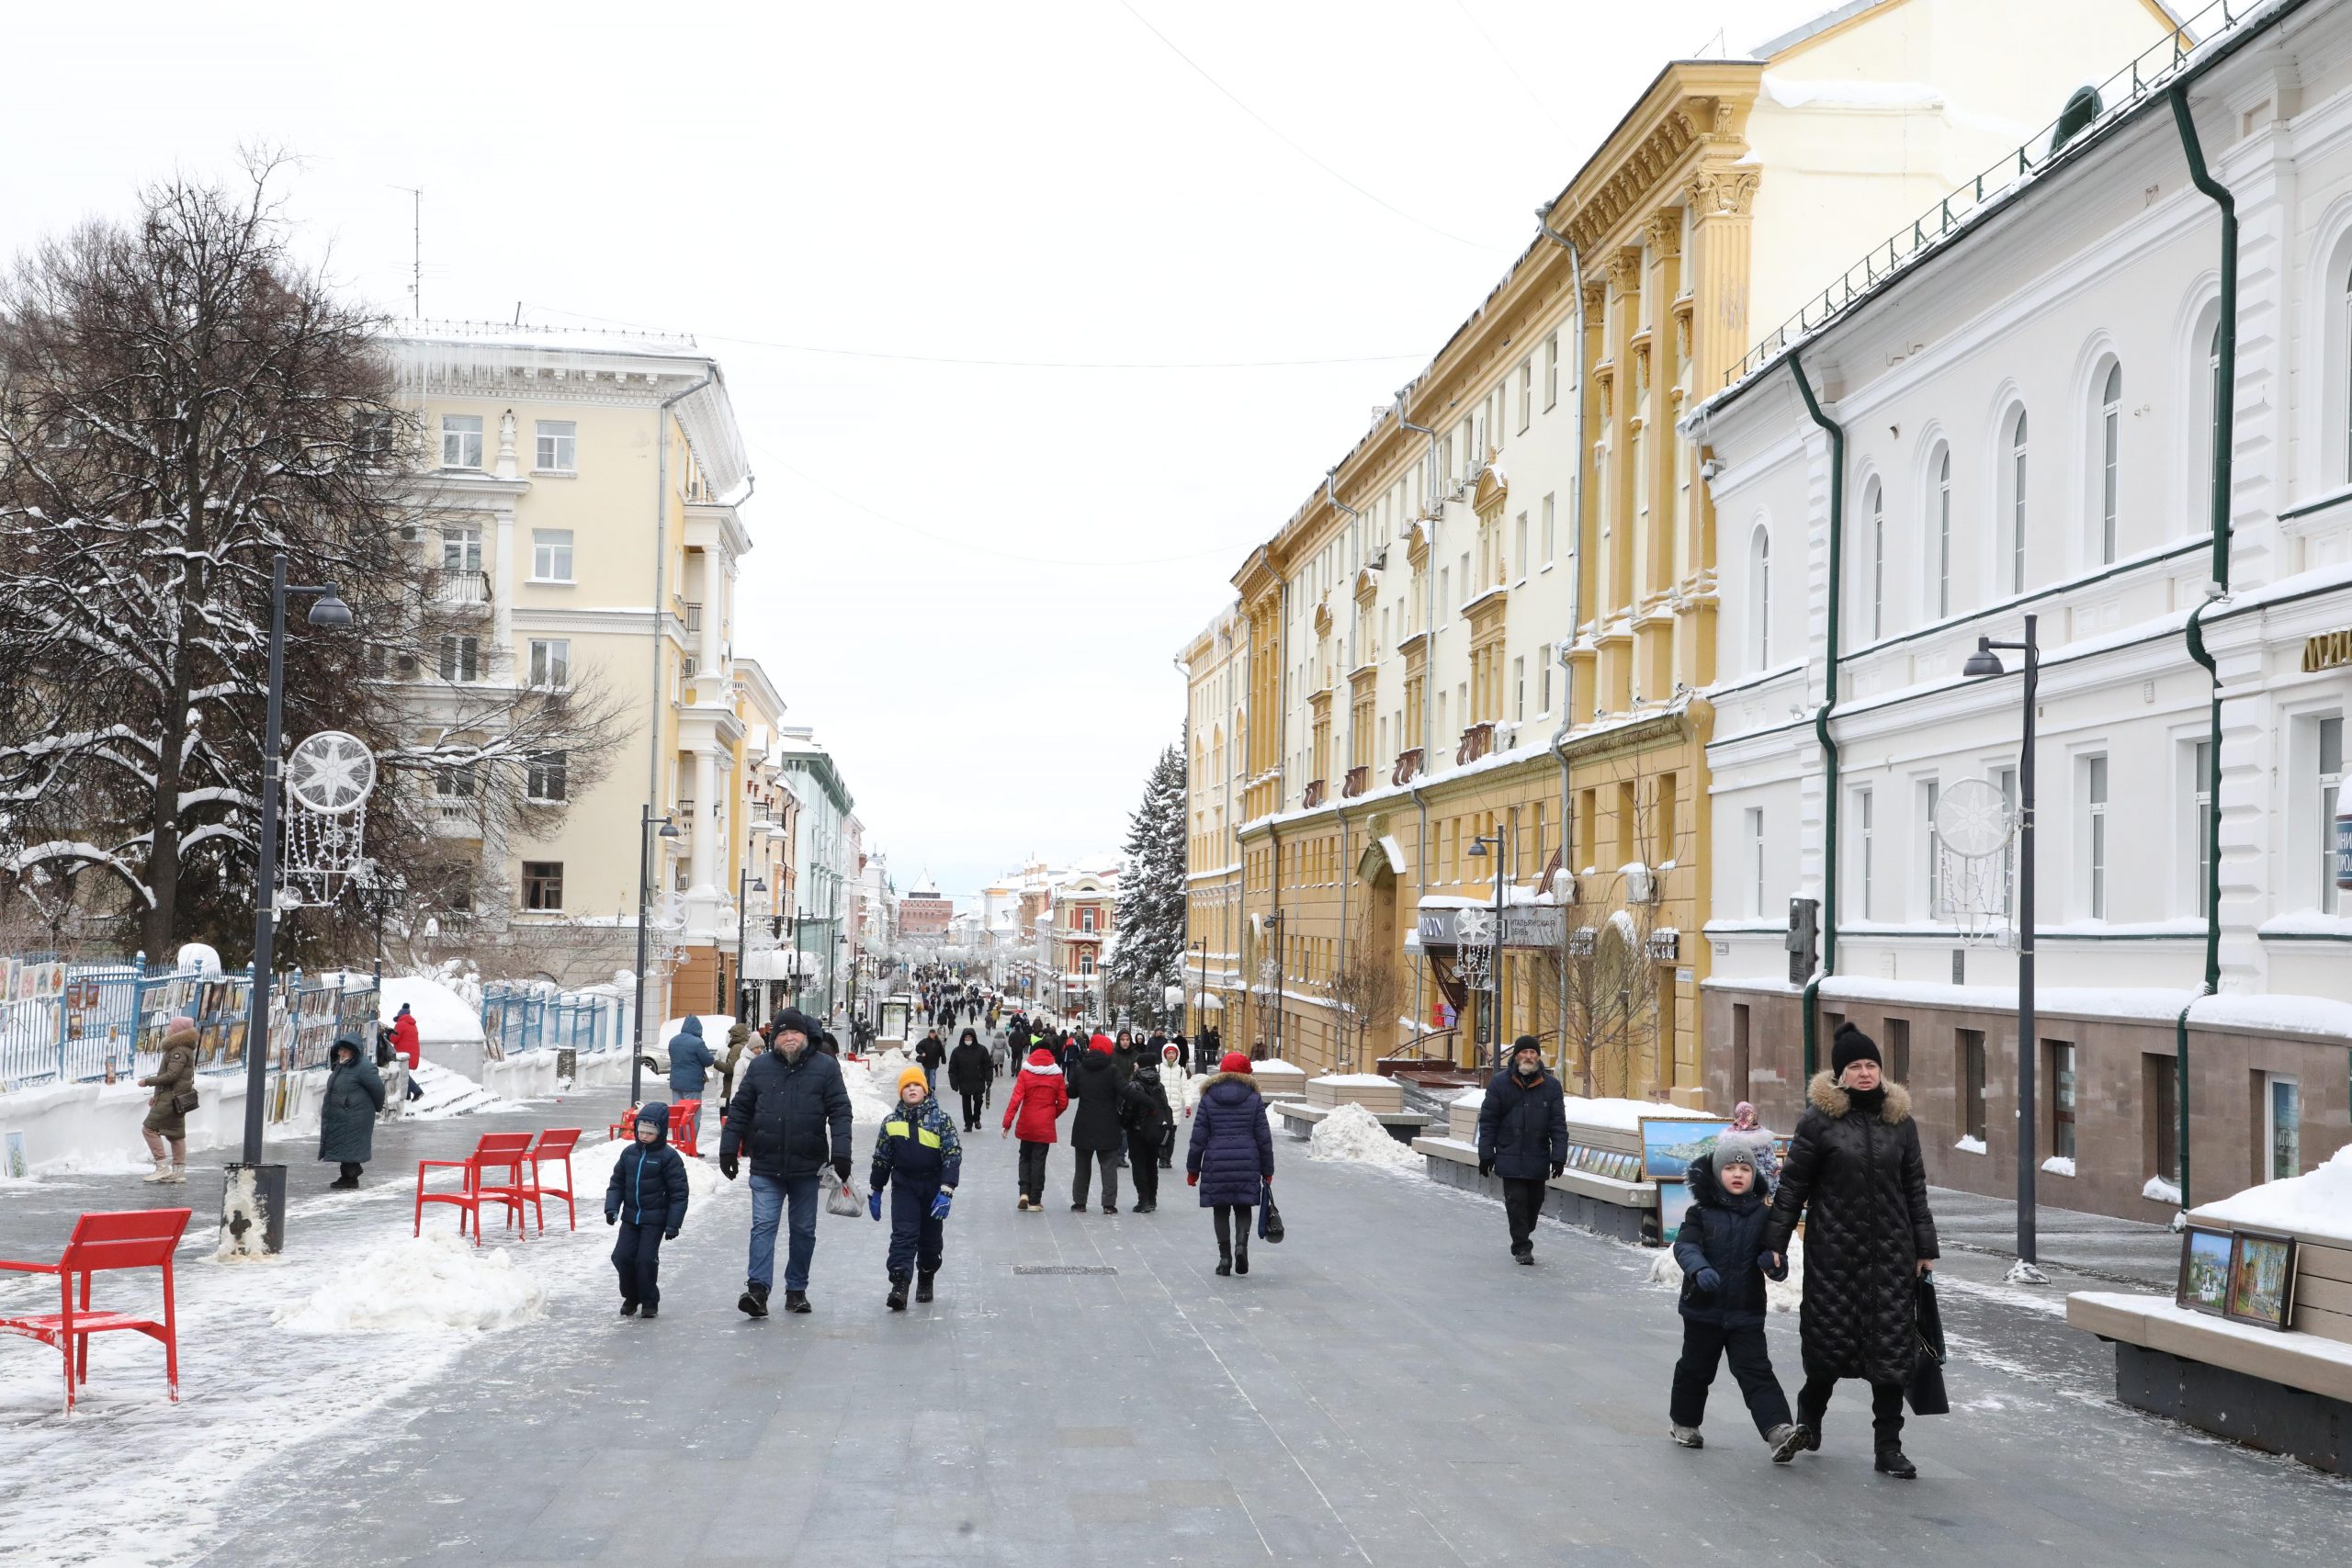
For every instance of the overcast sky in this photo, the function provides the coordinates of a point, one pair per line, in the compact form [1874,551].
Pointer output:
[971,578]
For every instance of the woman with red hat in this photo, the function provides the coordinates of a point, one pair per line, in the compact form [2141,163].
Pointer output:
[1232,1157]
[1039,1095]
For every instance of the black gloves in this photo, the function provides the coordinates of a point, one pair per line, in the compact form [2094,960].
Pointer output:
[669,1235]
[1486,1167]
[1559,1168]
[1706,1282]
[841,1169]
[1774,1264]
[727,1166]
[612,1218]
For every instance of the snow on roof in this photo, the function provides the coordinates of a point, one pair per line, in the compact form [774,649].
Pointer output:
[2316,1204]
[1356,1080]
[1625,1115]
[442,1016]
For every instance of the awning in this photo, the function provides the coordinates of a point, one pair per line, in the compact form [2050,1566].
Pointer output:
[1525,925]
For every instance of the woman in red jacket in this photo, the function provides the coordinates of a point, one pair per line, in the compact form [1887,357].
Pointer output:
[1039,1095]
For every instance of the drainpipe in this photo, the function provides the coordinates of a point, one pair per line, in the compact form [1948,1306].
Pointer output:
[1575,584]
[1347,871]
[2224,440]
[1429,648]
[1820,716]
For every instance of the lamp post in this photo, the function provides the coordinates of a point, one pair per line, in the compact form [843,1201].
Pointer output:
[745,884]
[1274,957]
[1488,1021]
[1984,663]
[1201,946]
[245,1208]
[645,837]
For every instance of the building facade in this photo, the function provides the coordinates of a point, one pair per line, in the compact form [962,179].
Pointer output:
[827,863]
[923,914]
[2052,413]
[1472,660]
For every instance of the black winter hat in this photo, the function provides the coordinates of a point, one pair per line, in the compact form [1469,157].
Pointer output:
[1850,1045]
[800,1023]
[1526,1043]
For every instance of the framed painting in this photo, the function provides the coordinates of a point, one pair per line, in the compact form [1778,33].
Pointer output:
[1673,1202]
[2262,1279]
[2204,1284]
[1671,1143]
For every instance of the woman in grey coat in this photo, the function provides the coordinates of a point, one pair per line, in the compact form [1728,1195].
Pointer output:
[355,1098]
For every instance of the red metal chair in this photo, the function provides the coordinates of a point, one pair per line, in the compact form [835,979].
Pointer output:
[135,1238]
[554,1147]
[509,1152]
[685,1126]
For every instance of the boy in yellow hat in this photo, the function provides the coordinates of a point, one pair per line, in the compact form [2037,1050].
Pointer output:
[918,1146]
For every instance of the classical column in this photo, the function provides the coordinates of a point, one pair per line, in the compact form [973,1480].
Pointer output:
[705,824]
[714,613]
[1723,199]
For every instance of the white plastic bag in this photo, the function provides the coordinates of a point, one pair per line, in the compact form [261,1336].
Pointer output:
[842,1197]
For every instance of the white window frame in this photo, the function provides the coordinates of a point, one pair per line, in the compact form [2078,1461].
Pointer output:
[2005,783]
[1519,544]
[551,549]
[2096,785]
[2016,452]
[2271,1166]
[2330,782]
[1754,822]
[1550,371]
[1865,850]
[1939,504]
[462,541]
[460,656]
[1526,394]
[529,886]
[1932,873]
[461,441]
[555,446]
[1519,687]
[1551,515]
[551,663]
[1760,596]
[539,769]
[2200,800]
[2111,464]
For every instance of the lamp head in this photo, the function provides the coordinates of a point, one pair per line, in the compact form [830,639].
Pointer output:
[1478,848]
[669,829]
[1984,661]
[329,610]
[759,884]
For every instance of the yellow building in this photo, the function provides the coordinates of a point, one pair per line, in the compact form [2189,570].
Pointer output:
[1474,648]
[581,510]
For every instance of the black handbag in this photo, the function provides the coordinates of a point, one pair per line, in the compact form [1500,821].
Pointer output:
[1926,1391]
[1270,1219]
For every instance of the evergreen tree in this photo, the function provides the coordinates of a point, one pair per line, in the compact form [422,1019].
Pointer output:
[1150,950]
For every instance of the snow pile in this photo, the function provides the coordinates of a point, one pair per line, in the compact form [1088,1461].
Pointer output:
[1470,1099]
[2059,1165]
[1356,1080]
[2317,1203]
[1968,1146]
[2161,1191]
[592,1168]
[442,1015]
[418,1283]
[1625,1115]
[872,1084]
[1351,1133]
[1779,1295]
[449,1094]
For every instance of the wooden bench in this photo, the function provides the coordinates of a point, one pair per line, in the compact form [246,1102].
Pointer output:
[509,1152]
[102,1243]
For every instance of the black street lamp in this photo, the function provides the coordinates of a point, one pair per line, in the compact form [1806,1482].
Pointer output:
[745,884]
[1488,1031]
[1983,664]
[645,837]
[244,1206]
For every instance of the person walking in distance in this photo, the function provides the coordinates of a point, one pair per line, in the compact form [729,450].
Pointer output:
[173,1083]
[792,1105]
[918,1157]
[1095,1133]
[1040,1093]
[967,1074]
[931,1053]
[1854,1175]
[1523,1137]
[1232,1157]
[1151,1127]
[409,1046]
[646,1197]
[347,1112]
[1176,1089]
[1718,1246]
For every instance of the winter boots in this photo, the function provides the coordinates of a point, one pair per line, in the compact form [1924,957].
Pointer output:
[650,1313]
[162,1172]
[1688,1437]
[897,1299]
[1786,1442]
[628,1306]
[1224,1266]
[794,1301]
[1894,1461]
[754,1301]
[1240,1257]
[922,1284]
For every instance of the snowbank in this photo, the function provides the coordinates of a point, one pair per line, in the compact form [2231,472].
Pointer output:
[419,1284]
[592,1168]
[442,1016]
[872,1083]
[1351,1133]
[1779,1295]
[1356,1080]
[2318,1203]
[449,1094]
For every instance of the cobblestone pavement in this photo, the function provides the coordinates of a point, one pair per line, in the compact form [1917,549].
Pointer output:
[1385,1387]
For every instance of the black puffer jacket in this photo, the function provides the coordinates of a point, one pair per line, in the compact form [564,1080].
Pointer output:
[1094,1089]
[1144,1106]
[1863,1180]
[970,1066]
[1724,1233]
[791,1117]
[1523,1128]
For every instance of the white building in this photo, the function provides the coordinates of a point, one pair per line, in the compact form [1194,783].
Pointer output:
[2026,413]
[826,858]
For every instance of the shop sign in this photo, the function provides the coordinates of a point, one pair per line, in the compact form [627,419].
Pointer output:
[1525,926]
[2343,849]
[2327,650]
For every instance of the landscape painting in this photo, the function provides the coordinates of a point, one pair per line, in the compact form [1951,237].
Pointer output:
[2262,1279]
[1671,1143]
[2204,1271]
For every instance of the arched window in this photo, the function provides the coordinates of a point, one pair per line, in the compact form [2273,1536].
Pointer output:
[2013,481]
[1759,598]
[1874,508]
[1938,553]
[2110,470]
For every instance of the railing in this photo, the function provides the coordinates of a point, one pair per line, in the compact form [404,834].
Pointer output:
[101,1023]
[460,588]
[2146,72]
[454,816]
[525,1017]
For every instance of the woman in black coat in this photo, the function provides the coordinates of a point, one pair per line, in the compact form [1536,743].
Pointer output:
[1096,1134]
[1232,1157]
[355,1098]
[969,1067]
[1855,1164]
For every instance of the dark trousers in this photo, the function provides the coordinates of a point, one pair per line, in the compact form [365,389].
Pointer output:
[972,1108]
[1523,1200]
[916,1240]
[1231,1239]
[1087,1159]
[1033,1170]
[1143,1160]
[636,1256]
[1706,1344]
[1886,1408]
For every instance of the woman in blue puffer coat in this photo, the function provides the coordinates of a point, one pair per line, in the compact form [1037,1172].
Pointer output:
[1232,1157]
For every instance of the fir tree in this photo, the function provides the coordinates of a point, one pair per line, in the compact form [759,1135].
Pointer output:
[1150,950]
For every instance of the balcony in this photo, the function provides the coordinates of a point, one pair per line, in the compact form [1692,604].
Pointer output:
[1355,783]
[461,592]
[454,816]
[1316,793]
[1408,767]
[1476,741]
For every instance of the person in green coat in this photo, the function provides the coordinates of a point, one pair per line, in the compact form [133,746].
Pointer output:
[355,1098]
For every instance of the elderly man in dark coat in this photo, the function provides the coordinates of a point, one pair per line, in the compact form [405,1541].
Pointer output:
[1855,1164]
[1523,1138]
[355,1098]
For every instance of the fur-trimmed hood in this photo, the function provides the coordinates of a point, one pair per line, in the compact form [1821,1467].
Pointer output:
[1824,1094]
[1246,1080]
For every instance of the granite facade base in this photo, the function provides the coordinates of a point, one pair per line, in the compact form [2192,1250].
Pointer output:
[2254,1411]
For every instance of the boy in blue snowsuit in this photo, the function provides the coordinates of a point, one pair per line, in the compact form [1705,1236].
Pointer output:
[918,1147]
[647,1198]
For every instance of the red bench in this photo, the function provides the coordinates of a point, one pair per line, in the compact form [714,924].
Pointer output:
[509,1152]
[554,1147]
[134,1238]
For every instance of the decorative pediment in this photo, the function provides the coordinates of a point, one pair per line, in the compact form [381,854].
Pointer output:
[1494,488]
[1367,584]
[1323,616]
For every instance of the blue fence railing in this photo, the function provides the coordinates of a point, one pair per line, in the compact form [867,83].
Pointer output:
[533,1017]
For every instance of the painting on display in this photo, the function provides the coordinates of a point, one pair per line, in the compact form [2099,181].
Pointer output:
[2262,1279]
[2204,1284]
[1673,1202]
[1671,1143]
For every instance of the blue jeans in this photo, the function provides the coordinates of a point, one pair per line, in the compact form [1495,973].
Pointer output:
[769,1195]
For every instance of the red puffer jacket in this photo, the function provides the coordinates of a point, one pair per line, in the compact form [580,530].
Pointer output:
[1039,1095]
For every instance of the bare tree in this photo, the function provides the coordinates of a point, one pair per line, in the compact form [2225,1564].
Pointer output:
[1599,986]
[1366,991]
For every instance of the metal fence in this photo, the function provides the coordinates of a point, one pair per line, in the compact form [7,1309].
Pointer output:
[66,1023]
[524,1017]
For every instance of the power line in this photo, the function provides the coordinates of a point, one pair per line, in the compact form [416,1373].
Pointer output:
[1283,137]
[1479,28]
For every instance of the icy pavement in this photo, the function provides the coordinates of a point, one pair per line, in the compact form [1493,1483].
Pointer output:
[1385,1387]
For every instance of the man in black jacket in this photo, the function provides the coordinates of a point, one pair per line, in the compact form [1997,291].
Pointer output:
[1523,1137]
[791,1106]
[931,1053]
[969,1069]
[1096,1132]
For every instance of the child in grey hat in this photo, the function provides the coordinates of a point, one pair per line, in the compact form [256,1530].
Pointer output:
[1720,1246]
